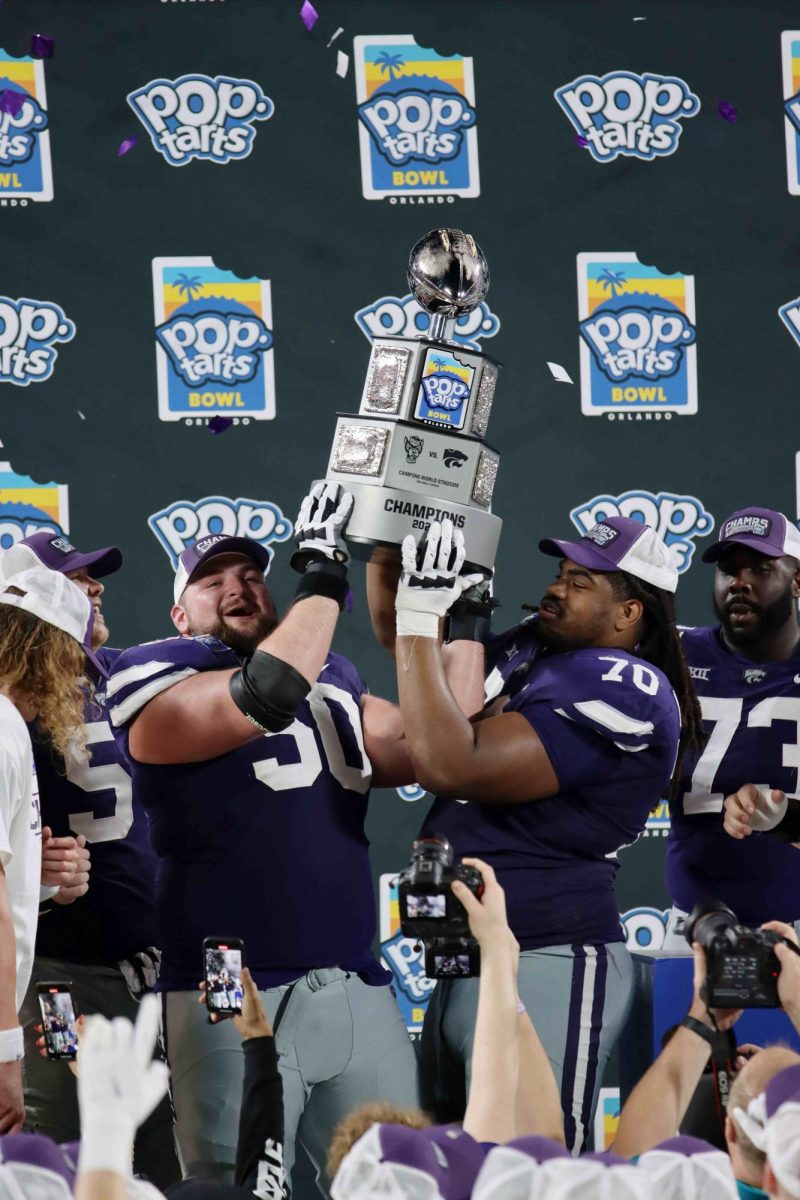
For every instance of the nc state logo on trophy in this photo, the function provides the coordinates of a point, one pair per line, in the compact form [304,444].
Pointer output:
[415,452]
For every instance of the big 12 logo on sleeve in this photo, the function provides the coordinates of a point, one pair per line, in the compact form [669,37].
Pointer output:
[637,339]
[416,114]
[25,169]
[213,343]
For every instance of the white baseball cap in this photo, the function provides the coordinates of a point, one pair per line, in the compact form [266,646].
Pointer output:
[620,544]
[55,599]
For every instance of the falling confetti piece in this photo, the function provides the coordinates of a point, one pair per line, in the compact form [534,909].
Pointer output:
[349,601]
[219,424]
[80,414]
[308,15]
[339,31]
[640,18]
[581,140]
[728,111]
[558,373]
[41,46]
[342,63]
[127,145]
[11,102]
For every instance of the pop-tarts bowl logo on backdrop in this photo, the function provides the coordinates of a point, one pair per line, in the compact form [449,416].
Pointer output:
[214,343]
[789,313]
[637,339]
[30,333]
[196,116]
[27,507]
[404,316]
[187,521]
[790,61]
[645,928]
[416,120]
[624,113]
[407,964]
[677,519]
[25,168]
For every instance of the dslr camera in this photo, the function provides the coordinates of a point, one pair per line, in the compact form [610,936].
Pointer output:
[742,968]
[432,914]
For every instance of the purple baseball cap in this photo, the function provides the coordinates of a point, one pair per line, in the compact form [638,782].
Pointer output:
[762,529]
[38,1166]
[57,552]
[210,546]
[437,1163]
[620,544]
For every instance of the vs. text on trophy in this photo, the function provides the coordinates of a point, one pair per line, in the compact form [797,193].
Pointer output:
[414,452]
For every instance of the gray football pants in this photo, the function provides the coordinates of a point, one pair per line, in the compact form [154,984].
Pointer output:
[340,1043]
[51,1099]
[578,998]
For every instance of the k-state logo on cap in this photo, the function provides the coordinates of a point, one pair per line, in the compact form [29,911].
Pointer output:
[63,544]
[601,535]
[207,543]
[757,526]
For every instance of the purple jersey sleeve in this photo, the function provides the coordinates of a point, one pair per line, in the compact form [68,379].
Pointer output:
[594,708]
[145,671]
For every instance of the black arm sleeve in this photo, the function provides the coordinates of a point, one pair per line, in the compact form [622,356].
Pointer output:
[259,1153]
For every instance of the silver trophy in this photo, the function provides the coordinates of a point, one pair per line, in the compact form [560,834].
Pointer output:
[414,452]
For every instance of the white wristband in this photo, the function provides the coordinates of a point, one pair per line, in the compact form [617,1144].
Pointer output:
[12,1047]
[107,1143]
[417,624]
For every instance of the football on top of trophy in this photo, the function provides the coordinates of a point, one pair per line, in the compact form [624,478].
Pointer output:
[447,272]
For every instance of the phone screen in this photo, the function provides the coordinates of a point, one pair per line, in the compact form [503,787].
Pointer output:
[223,963]
[58,1020]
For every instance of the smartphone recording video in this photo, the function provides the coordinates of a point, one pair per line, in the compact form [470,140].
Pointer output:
[58,1019]
[223,959]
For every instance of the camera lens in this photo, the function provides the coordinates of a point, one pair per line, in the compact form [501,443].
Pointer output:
[435,847]
[707,921]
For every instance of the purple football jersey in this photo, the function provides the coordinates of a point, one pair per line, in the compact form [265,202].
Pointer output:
[610,725]
[265,842]
[751,713]
[94,796]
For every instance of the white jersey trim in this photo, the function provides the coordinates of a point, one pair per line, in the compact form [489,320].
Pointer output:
[611,718]
[134,674]
[122,713]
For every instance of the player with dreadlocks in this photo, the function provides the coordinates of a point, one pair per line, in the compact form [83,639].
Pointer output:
[577,741]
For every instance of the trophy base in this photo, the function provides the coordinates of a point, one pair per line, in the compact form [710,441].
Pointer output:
[383,516]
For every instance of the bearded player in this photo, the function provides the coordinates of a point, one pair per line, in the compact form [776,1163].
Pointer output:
[746,671]
[556,773]
[252,748]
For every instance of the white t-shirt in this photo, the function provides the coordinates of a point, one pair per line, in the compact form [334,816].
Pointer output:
[20,836]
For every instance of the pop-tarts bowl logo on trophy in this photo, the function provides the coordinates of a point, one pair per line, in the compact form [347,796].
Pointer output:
[416,112]
[214,342]
[444,389]
[196,116]
[25,169]
[637,339]
[623,113]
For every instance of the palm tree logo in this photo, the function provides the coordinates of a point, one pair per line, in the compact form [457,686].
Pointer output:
[440,364]
[189,285]
[391,64]
[613,281]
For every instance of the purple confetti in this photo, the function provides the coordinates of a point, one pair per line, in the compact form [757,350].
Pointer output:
[219,424]
[348,602]
[728,111]
[41,46]
[309,15]
[127,145]
[581,140]
[11,102]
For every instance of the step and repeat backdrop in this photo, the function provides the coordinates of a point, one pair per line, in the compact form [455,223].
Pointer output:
[207,208]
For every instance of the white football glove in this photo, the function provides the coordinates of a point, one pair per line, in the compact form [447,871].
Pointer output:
[431,579]
[320,524]
[119,1085]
